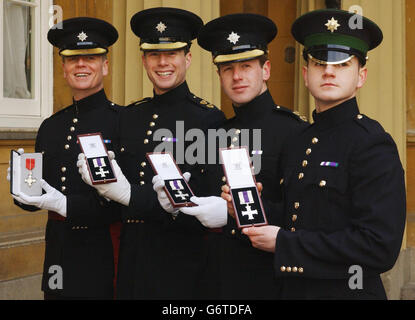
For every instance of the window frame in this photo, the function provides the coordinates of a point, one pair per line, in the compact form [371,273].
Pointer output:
[28,114]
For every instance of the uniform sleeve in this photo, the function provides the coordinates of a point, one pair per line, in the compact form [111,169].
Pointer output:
[373,237]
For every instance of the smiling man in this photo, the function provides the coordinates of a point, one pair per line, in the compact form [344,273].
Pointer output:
[343,181]
[79,260]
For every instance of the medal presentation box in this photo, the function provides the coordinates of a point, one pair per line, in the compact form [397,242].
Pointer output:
[98,163]
[176,187]
[241,181]
[25,173]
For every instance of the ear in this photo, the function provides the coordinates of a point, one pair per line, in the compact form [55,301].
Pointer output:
[105,67]
[266,70]
[188,59]
[304,71]
[362,77]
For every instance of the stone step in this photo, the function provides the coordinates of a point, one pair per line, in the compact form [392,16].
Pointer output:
[408,291]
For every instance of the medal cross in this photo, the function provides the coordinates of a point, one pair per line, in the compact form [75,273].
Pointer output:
[102,173]
[181,195]
[250,213]
[29,180]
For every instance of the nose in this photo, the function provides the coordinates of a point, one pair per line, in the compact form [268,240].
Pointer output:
[80,61]
[237,75]
[163,59]
[329,70]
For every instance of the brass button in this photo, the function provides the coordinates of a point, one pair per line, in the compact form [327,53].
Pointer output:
[295,269]
[141,173]
[282,269]
[69,138]
[300,176]
[288,269]
[142,183]
[292,229]
[202,170]
[152,124]
[300,270]
[238,131]
[149,132]
[233,232]
[143,164]
[314,141]
[278,107]
[72,129]
[305,163]
[63,179]
[75,120]
[322,183]
[223,179]
[146,141]
[67,146]
[63,188]
[155,116]
[308,152]
[294,218]
[122,149]
[296,205]
[234,139]
[359,116]
[63,169]
[281,181]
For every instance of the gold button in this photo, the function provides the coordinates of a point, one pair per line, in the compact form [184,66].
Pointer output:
[63,179]
[278,107]
[155,116]
[233,232]
[202,170]
[67,146]
[142,183]
[322,183]
[294,218]
[314,141]
[122,149]
[152,124]
[146,141]
[300,176]
[308,152]
[281,181]
[305,163]
[282,269]
[288,269]
[63,169]
[143,164]
[300,270]
[141,173]
[203,102]
[75,120]
[295,269]
[359,116]
[69,138]
[296,205]
[234,139]
[238,131]
[149,132]
[292,229]
[223,179]
[63,188]
[72,129]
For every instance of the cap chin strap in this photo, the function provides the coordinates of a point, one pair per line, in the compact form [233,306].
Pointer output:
[327,62]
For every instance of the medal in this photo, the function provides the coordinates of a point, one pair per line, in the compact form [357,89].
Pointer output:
[30,165]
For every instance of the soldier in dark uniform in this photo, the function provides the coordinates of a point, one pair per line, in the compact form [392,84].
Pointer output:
[160,252]
[343,182]
[79,253]
[238,43]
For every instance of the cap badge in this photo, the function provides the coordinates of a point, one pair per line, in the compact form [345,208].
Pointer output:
[82,36]
[332,25]
[233,37]
[161,27]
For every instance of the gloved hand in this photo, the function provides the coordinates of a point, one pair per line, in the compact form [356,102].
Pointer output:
[21,151]
[119,191]
[52,200]
[211,211]
[158,184]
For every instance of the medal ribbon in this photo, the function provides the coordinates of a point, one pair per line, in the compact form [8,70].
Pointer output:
[30,164]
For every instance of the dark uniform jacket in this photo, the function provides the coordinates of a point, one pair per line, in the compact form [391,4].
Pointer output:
[81,244]
[345,209]
[159,253]
[235,269]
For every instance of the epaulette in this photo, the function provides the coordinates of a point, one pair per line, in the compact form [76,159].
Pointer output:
[294,114]
[201,102]
[370,125]
[137,103]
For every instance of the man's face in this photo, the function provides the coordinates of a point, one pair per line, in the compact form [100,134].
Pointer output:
[243,81]
[331,85]
[166,69]
[85,74]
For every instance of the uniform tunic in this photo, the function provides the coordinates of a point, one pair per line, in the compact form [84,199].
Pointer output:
[236,270]
[80,244]
[345,209]
[160,253]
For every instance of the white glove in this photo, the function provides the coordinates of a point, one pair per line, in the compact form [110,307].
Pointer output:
[158,184]
[21,151]
[52,200]
[119,191]
[212,211]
